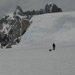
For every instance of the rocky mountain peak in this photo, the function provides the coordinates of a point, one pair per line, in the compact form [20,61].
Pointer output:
[13,26]
[19,11]
[51,8]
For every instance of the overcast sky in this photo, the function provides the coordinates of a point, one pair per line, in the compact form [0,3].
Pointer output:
[7,6]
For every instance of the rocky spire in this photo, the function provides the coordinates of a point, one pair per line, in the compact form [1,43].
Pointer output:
[18,10]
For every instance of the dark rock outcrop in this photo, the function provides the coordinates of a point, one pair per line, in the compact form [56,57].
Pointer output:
[52,8]
[14,25]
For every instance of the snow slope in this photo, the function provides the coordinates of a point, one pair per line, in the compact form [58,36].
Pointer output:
[32,56]
[49,28]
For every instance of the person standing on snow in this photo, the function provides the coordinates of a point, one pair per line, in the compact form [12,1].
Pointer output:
[54,46]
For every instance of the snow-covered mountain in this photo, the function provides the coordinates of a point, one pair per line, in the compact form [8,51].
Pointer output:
[32,55]
[13,26]
[45,29]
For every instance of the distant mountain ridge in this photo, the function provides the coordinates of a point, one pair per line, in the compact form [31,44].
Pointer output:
[49,8]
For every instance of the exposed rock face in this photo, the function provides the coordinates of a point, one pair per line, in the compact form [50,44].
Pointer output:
[13,26]
[19,11]
[51,8]
[25,25]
